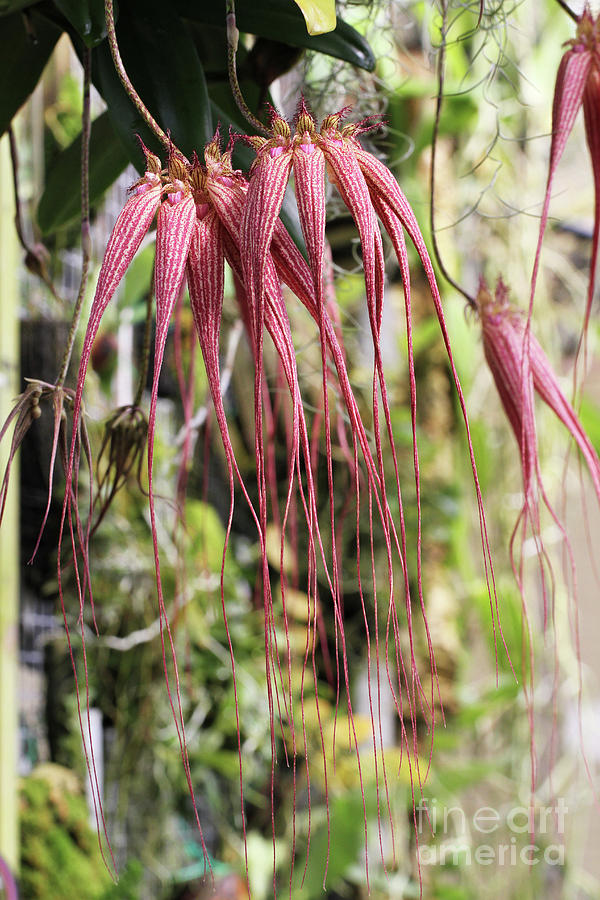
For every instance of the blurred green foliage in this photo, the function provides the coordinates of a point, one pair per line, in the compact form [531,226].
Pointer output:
[59,857]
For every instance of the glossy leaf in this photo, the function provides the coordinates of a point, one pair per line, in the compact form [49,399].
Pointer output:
[282,20]
[86,17]
[23,56]
[61,200]
[161,60]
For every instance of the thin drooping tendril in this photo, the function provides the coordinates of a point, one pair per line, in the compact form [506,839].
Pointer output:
[434,139]
[145,359]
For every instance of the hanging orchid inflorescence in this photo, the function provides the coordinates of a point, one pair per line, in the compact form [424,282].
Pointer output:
[210,213]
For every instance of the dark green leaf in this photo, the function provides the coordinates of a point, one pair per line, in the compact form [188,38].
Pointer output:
[162,62]
[86,17]
[23,56]
[344,43]
[11,6]
[127,124]
[281,20]
[61,200]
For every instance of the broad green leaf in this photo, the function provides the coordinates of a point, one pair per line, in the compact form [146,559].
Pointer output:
[61,200]
[319,15]
[281,20]
[162,62]
[23,56]
[86,17]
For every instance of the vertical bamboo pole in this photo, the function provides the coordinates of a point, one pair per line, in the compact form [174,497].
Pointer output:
[9,533]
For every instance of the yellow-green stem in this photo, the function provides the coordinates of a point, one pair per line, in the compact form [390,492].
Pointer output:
[9,533]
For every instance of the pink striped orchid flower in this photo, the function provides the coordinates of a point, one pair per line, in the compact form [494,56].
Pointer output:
[199,210]
[577,86]
[520,369]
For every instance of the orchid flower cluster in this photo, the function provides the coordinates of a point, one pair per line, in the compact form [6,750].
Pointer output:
[207,214]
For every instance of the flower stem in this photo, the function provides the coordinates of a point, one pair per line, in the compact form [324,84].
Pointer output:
[126,81]
[568,10]
[232,45]
[85,215]
[35,255]
[434,139]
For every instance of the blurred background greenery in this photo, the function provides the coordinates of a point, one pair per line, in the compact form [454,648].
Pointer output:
[490,179]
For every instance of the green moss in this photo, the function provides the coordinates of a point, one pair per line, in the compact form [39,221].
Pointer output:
[59,851]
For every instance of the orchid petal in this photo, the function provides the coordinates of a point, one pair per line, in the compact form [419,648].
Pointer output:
[571,79]
[591,112]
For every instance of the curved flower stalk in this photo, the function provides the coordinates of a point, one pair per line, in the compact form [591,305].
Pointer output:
[27,407]
[577,86]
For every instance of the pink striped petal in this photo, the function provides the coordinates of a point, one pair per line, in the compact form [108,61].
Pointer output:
[173,237]
[130,229]
[268,181]
[591,111]
[511,370]
[570,84]
[391,202]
